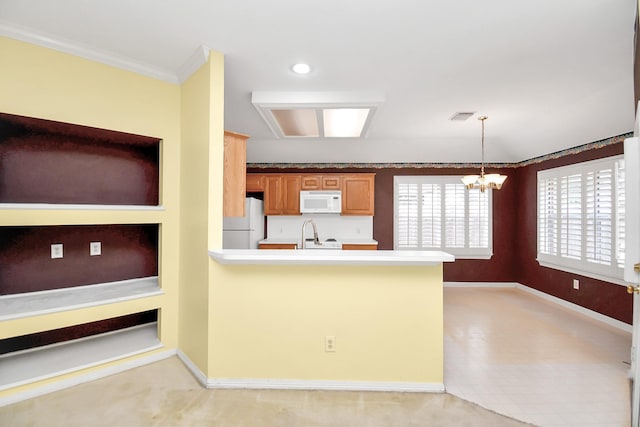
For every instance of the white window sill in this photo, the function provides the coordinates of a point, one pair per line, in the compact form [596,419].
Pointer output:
[603,277]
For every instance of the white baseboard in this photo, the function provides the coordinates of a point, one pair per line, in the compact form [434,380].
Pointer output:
[85,378]
[278,384]
[481,284]
[566,304]
[578,308]
[195,371]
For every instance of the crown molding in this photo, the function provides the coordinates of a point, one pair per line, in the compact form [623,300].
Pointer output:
[56,43]
[195,61]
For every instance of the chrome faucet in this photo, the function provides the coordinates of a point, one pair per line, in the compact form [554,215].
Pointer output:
[316,241]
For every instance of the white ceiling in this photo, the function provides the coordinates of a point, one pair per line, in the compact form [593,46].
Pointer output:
[550,74]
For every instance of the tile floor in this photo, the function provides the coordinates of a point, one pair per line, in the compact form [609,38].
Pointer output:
[165,394]
[506,350]
[533,360]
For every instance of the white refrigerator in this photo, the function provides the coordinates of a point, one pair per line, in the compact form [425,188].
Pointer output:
[244,232]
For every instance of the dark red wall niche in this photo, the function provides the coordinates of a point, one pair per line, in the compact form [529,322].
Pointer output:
[514,233]
[38,339]
[42,161]
[128,251]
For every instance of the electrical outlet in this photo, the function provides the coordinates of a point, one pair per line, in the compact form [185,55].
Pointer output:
[330,343]
[56,250]
[95,248]
[576,284]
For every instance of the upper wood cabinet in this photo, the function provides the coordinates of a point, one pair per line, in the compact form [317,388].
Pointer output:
[281,194]
[311,182]
[235,173]
[331,182]
[282,191]
[255,183]
[291,194]
[321,182]
[273,201]
[358,191]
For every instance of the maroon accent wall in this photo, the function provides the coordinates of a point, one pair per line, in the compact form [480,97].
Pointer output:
[500,268]
[514,233]
[50,162]
[128,251]
[24,342]
[607,298]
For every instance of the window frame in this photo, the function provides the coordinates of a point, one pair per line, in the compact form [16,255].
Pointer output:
[610,273]
[459,252]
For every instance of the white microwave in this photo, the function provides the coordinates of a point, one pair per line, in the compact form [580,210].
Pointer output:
[320,202]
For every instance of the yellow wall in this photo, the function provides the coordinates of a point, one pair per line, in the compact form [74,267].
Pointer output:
[253,322]
[270,322]
[44,83]
[201,189]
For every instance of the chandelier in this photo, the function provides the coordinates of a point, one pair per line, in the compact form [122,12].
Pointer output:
[483,181]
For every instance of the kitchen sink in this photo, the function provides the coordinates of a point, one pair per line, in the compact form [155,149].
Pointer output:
[327,244]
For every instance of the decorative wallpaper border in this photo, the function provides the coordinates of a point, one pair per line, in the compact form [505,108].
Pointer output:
[575,150]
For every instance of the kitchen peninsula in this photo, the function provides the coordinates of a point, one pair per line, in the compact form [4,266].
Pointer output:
[330,319]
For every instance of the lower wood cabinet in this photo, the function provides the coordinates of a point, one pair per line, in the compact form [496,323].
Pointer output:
[359,247]
[277,246]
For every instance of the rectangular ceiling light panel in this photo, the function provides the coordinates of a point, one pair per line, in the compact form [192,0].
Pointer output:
[317,114]
[344,122]
[297,122]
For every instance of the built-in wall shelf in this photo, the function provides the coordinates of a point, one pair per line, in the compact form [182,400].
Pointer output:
[79,207]
[23,367]
[15,306]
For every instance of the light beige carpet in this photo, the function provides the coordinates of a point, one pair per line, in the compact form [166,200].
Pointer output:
[165,394]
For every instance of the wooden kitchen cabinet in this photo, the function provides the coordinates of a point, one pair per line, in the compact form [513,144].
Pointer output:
[331,182]
[273,202]
[291,194]
[282,191]
[359,247]
[277,246]
[358,191]
[255,183]
[321,182]
[235,173]
[281,194]
[311,182]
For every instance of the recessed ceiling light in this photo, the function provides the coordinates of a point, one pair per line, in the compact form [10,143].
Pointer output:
[301,68]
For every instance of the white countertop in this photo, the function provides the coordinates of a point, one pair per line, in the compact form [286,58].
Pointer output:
[328,257]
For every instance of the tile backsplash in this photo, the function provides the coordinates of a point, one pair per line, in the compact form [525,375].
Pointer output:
[329,226]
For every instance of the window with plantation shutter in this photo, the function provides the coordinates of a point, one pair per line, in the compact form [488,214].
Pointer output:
[439,213]
[581,218]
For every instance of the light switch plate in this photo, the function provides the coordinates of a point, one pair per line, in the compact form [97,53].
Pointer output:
[56,250]
[95,248]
